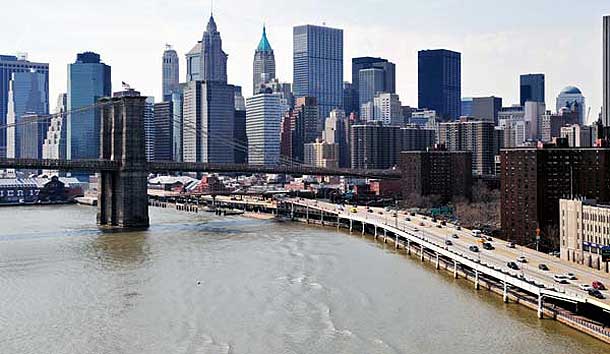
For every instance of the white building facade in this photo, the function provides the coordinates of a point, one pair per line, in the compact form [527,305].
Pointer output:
[263,118]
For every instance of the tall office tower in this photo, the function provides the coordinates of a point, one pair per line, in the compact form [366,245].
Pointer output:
[440,82]
[8,65]
[363,63]
[606,78]
[371,81]
[466,107]
[474,136]
[486,108]
[336,131]
[263,120]
[516,129]
[177,114]
[552,123]
[208,122]
[318,66]
[286,134]
[207,61]
[149,127]
[264,63]
[388,109]
[374,146]
[171,73]
[571,97]
[54,146]
[532,88]
[308,115]
[350,99]
[163,132]
[552,173]
[533,116]
[239,128]
[88,81]
[28,95]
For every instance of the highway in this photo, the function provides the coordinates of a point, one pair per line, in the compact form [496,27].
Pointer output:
[498,258]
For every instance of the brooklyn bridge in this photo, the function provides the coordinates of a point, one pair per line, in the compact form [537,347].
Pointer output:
[123,167]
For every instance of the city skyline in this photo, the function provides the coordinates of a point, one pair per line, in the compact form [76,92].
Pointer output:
[570,54]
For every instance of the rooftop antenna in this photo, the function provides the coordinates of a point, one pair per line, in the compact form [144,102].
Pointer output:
[212,8]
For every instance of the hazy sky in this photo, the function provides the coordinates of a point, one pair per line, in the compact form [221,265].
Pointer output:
[498,39]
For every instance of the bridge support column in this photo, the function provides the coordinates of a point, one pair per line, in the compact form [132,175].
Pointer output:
[307,214]
[375,232]
[476,279]
[455,272]
[338,221]
[363,227]
[322,217]
[409,247]
[351,225]
[122,194]
[396,240]
[291,211]
[540,305]
[505,293]
[438,263]
[385,236]
[421,251]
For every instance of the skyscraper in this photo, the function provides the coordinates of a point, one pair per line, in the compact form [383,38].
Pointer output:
[207,61]
[318,66]
[532,88]
[440,82]
[371,81]
[8,65]
[474,136]
[362,63]
[171,73]
[54,146]
[28,95]
[88,81]
[163,132]
[388,109]
[264,63]
[571,97]
[606,78]
[208,122]
[263,119]
[336,131]
[486,108]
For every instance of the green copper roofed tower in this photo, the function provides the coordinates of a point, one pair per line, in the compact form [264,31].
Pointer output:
[264,63]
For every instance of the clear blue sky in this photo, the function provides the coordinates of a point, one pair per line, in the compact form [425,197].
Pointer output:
[498,39]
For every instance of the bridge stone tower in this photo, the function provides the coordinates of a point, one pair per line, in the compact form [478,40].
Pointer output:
[122,194]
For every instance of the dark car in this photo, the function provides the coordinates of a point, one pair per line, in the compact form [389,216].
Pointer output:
[448,243]
[474,248]
[598,285]
[455,236]
[543,267]
[444,223]
[459,228]
[407,219]
[439,226]
[412,214]
[369,210]
[596,293]
[512,265]
[488,246]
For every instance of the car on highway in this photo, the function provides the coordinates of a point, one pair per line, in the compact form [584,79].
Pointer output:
[422,224]
[598,285]
[596,293]
[476,233]
[369,210]
[561,279]
[415,230]
[458,228]
[543,267]
[444,223]
[439,226]
[522,259]
[381,213]
[512,265]
[488,246]
[455,236]
[448,242]
[474,248]
[407,219]
[571,276]
[511,245]
[353,210]
[585,287]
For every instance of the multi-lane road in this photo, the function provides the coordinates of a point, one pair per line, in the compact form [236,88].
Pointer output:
[498,258]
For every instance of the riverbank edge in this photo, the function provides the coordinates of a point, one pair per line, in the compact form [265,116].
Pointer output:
[484,284]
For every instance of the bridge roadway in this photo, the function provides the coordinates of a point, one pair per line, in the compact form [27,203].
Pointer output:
[492,264]
[161,166]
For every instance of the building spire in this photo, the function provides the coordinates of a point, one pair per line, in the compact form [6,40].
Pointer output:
[263,45]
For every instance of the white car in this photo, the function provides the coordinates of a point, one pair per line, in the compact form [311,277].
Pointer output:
[585,287]
[570,276]
[561,279]
[522,259]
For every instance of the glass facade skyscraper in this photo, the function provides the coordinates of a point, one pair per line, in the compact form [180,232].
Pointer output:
[8,65]
[440,82]
[363,63]
[532,88]
[28,95]
[318,66]
[88,81]
[171,73]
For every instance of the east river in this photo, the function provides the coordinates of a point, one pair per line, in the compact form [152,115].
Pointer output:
[208,284]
